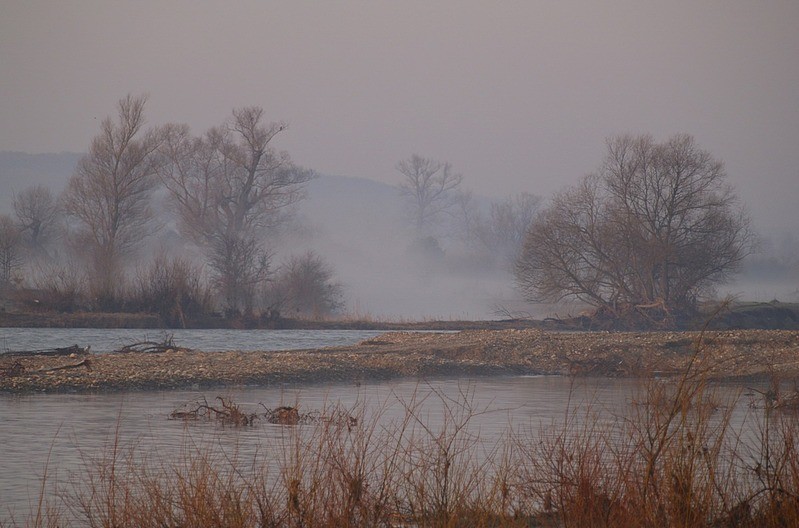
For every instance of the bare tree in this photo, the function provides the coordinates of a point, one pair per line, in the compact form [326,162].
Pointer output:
[503,232]
[656,227]
[37,212]
[109,195]
[229,188]
[429,187]
[10,255]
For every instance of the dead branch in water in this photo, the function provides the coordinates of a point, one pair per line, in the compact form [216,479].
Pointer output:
[229,413]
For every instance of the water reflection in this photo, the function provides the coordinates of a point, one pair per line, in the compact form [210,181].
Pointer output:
[67,428]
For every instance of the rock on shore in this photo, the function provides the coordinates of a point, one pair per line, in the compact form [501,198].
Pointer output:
[722,355]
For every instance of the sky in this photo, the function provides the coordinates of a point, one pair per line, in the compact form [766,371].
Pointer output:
[518,96]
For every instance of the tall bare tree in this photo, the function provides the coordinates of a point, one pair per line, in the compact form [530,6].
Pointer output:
[37,212]
[230,188]
[110,193]
[429,187]
[657,226]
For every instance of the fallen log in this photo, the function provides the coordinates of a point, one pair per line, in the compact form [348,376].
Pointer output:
[65,351]
[82,363]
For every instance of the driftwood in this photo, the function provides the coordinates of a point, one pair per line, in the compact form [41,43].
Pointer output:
[283,416]
[82,363]
[65,351]
[153,347]
[228,414]
[231,414]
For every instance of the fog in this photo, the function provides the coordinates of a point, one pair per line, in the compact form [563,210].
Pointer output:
[368,241]
[519,97]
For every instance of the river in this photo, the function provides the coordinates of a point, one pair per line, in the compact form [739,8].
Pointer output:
[59,433]
[107,340]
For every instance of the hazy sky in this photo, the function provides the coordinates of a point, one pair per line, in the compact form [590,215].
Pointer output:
[519,96]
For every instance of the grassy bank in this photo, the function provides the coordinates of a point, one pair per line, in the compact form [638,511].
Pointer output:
[673,459]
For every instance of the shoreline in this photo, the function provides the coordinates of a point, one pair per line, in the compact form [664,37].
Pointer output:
[723,355]
[774,315]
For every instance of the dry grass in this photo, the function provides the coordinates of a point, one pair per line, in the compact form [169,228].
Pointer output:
[673,460]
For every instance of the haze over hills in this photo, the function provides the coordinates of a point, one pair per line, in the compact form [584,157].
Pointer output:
[19,170]
[357,226]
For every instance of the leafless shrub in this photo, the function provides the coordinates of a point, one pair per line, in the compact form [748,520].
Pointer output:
[304,286]
[174,288]
[60,286]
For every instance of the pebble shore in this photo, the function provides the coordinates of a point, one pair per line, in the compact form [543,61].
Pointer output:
[739,354]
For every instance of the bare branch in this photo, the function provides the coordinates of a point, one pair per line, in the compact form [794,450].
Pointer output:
[429,187]
[229,187]
[656,226]
[109,194]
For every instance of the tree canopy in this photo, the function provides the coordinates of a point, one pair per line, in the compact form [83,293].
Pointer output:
[654,228]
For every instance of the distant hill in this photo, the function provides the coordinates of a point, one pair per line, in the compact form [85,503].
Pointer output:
[19,170]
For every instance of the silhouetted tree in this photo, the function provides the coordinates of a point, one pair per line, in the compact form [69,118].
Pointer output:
[429,187]
[229,188]
[37,212]
[110,193]
[503,232]
[656,226]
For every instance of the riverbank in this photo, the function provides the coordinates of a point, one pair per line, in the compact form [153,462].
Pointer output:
[740,354]
[774,315]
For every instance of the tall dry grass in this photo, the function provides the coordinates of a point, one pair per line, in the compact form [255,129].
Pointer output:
[674,458]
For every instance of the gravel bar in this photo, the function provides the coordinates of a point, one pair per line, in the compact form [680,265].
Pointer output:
[738,354]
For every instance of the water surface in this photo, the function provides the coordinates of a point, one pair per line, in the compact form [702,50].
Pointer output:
[61,430]
[216,340]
